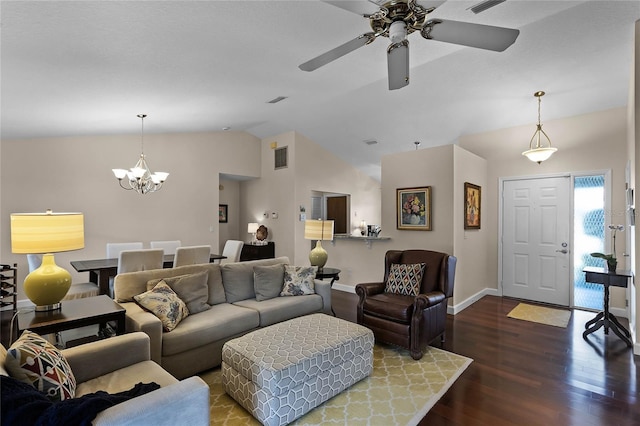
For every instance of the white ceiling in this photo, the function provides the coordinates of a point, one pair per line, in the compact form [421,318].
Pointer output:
[88,67]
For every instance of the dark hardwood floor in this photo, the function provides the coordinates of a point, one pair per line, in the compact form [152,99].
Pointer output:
[523,373]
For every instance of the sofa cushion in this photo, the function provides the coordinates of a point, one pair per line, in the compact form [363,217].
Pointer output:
[191,289]
[165,304]
[33,360]
[125,378]
[218,323]
[237,278]
[22,404]
[130,284]
[279,309]
[268,281]
[405,279]
[298,280]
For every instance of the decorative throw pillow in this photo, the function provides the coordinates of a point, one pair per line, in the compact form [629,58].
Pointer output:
[192,289]
[405,278]
[299,280]
[165,304]
[33,360]
[268,281]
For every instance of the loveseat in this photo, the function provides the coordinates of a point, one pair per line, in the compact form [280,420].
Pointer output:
[238,305]
[118,364]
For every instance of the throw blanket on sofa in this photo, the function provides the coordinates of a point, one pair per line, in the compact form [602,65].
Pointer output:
[22,404]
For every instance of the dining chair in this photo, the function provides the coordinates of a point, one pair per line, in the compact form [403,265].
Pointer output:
[114,249]
[191,255]
[140,260]
[232,250]
[169,246]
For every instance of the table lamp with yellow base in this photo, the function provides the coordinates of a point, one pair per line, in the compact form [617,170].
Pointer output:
[320,230]
[47,233]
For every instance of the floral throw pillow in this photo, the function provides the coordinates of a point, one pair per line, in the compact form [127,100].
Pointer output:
[299,280]
[33,360]
[405,278]
[165,304]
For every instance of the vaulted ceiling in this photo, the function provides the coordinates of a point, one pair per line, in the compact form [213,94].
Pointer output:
[73,68]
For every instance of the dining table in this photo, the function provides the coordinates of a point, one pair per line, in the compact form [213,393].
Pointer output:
[100,270]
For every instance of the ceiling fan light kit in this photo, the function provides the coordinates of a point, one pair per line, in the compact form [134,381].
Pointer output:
[396,19]
[538,152]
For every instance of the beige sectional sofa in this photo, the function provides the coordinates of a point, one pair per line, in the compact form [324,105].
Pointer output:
[196,343]
[119,363]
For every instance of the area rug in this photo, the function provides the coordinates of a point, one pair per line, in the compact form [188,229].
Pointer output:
[541,314]
[400,391]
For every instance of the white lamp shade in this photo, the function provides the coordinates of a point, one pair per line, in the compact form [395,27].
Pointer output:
[318,230]
[46,232]
[120,173]
[252,228]
[539,155]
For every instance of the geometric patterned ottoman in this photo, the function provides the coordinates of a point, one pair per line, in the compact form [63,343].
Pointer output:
[280,372]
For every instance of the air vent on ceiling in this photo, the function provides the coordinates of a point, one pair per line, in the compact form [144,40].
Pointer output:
[371,142]
[484,5]
[280,158]
[276,100]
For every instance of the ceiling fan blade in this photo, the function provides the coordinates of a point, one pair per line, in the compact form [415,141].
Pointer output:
[398,64]
[360,7]
[468,34]
[338,52]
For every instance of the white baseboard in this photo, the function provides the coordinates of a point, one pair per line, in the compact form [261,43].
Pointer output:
[456,309]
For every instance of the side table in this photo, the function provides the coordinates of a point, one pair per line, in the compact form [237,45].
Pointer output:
[326,273]
[605,318]
[74,314]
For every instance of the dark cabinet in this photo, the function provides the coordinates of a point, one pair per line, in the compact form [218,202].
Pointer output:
[255,252]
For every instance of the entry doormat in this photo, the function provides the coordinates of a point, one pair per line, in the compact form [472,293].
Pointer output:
[541,314]
[399,391]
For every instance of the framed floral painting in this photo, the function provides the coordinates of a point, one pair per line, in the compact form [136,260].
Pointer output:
[222,213]
[472,205]
[414,208]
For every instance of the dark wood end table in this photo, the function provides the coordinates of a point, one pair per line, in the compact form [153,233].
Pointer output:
[74,314]
[605,318]
[326,273]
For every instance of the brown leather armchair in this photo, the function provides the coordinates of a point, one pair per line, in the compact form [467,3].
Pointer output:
[411,322]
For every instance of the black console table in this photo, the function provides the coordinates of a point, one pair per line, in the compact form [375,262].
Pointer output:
[605,318]
[256,252]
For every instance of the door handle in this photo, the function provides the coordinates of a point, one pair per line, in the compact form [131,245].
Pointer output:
[563,251]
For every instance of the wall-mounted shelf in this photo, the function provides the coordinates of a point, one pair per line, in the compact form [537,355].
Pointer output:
[367,240]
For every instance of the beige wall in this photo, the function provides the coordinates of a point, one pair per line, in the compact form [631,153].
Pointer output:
[470,246]
[590,142]
[74,174]
[311,168]
[229,194]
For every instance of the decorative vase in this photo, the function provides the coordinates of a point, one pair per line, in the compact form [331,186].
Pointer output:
[318,256]
[612,264]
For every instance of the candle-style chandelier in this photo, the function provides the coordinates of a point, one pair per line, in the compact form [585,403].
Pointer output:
[139,177]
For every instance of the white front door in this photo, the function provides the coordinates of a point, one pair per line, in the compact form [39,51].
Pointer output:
[535,239]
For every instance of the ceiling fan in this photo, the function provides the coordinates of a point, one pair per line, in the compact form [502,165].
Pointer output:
[396,19]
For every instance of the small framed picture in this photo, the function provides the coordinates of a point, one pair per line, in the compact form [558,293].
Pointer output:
[413,208]
[472,206]
[222,213]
